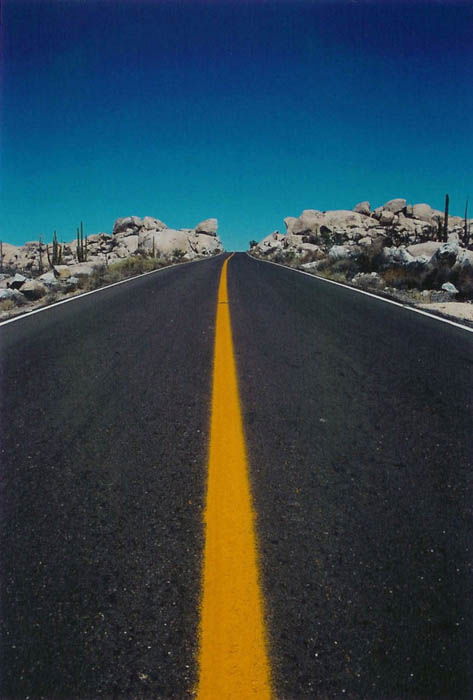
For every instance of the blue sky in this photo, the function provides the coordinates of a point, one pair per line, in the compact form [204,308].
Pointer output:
[247,111]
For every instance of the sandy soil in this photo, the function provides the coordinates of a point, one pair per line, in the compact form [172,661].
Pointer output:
[462,310]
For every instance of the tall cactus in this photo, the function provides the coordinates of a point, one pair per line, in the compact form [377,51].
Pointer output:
[55,257]
[445,219]
[81,245]
[40,263]
[1,256]
[466,228]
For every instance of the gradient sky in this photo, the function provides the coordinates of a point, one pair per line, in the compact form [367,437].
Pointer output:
[247,111]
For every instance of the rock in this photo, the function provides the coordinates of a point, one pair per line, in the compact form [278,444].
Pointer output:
[450,288]
[33,289]
[128,223]
[363,208]
[208,227]
[12,295]
[79,270]
[342,219]
[130,244]
[48,278]
[365,241]
[62,272]
[446,255]
[409,211]
[153,224]
[424,249]
[289,222]
[386,218]
[395,205]
[369,280]
[310,265]
[338,252]
[308,223]
[72,283]
[377,212]
[424,212]
[396,256]
[17,281]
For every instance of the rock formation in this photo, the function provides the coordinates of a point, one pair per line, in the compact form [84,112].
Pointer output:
[394,236]
[130,236]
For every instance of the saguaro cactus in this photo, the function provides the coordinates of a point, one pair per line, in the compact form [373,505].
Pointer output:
[445,219]
[81,245]
[55,257]
[40,263]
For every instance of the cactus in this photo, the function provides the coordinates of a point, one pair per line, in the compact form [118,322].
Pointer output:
[81,246]
[445,220]
[466,228]
[1,256]
[55,257]
[40,264]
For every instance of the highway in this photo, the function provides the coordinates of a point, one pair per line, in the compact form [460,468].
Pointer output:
[178,444]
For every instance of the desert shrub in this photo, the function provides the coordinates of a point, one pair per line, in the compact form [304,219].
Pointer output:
[400,278]
[7,305]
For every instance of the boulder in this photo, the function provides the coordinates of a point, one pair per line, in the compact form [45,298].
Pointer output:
[426,249]
[342,219]
[17,281]
[208,227]
[445,255]
[152,224]
[395,205]
[12,295]
[450,288]
[424,212]
[47,277]
[72,283]
[128,223]
[363,208]
[308,223]
[130,244]
[289,222]
[339,252]
[396,256]
[370,280]
[34,289]
[376,213]
[79,270]
[386,218]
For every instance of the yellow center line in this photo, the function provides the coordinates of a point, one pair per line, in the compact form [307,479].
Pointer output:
[233,659]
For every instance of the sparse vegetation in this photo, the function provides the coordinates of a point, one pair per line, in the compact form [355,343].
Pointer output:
[7,305]
[81,248]
[115,272]
[55,256]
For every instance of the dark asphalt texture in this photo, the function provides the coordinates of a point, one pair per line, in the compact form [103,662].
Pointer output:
[359,426]
[360,429]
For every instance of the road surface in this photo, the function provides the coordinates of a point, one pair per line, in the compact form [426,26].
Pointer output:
[358,428]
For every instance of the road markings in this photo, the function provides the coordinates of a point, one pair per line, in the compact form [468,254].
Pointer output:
[233,661]
[77,297]
[370,294]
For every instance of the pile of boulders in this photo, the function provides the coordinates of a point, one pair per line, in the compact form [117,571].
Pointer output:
[29,274]
[130,236]
[403,244]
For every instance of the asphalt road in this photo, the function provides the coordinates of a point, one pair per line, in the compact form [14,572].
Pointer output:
[359,427]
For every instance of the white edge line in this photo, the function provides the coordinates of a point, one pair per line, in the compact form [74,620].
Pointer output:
[368,294]
[101,289]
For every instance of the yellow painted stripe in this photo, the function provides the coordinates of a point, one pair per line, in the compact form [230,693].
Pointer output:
[233,657]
